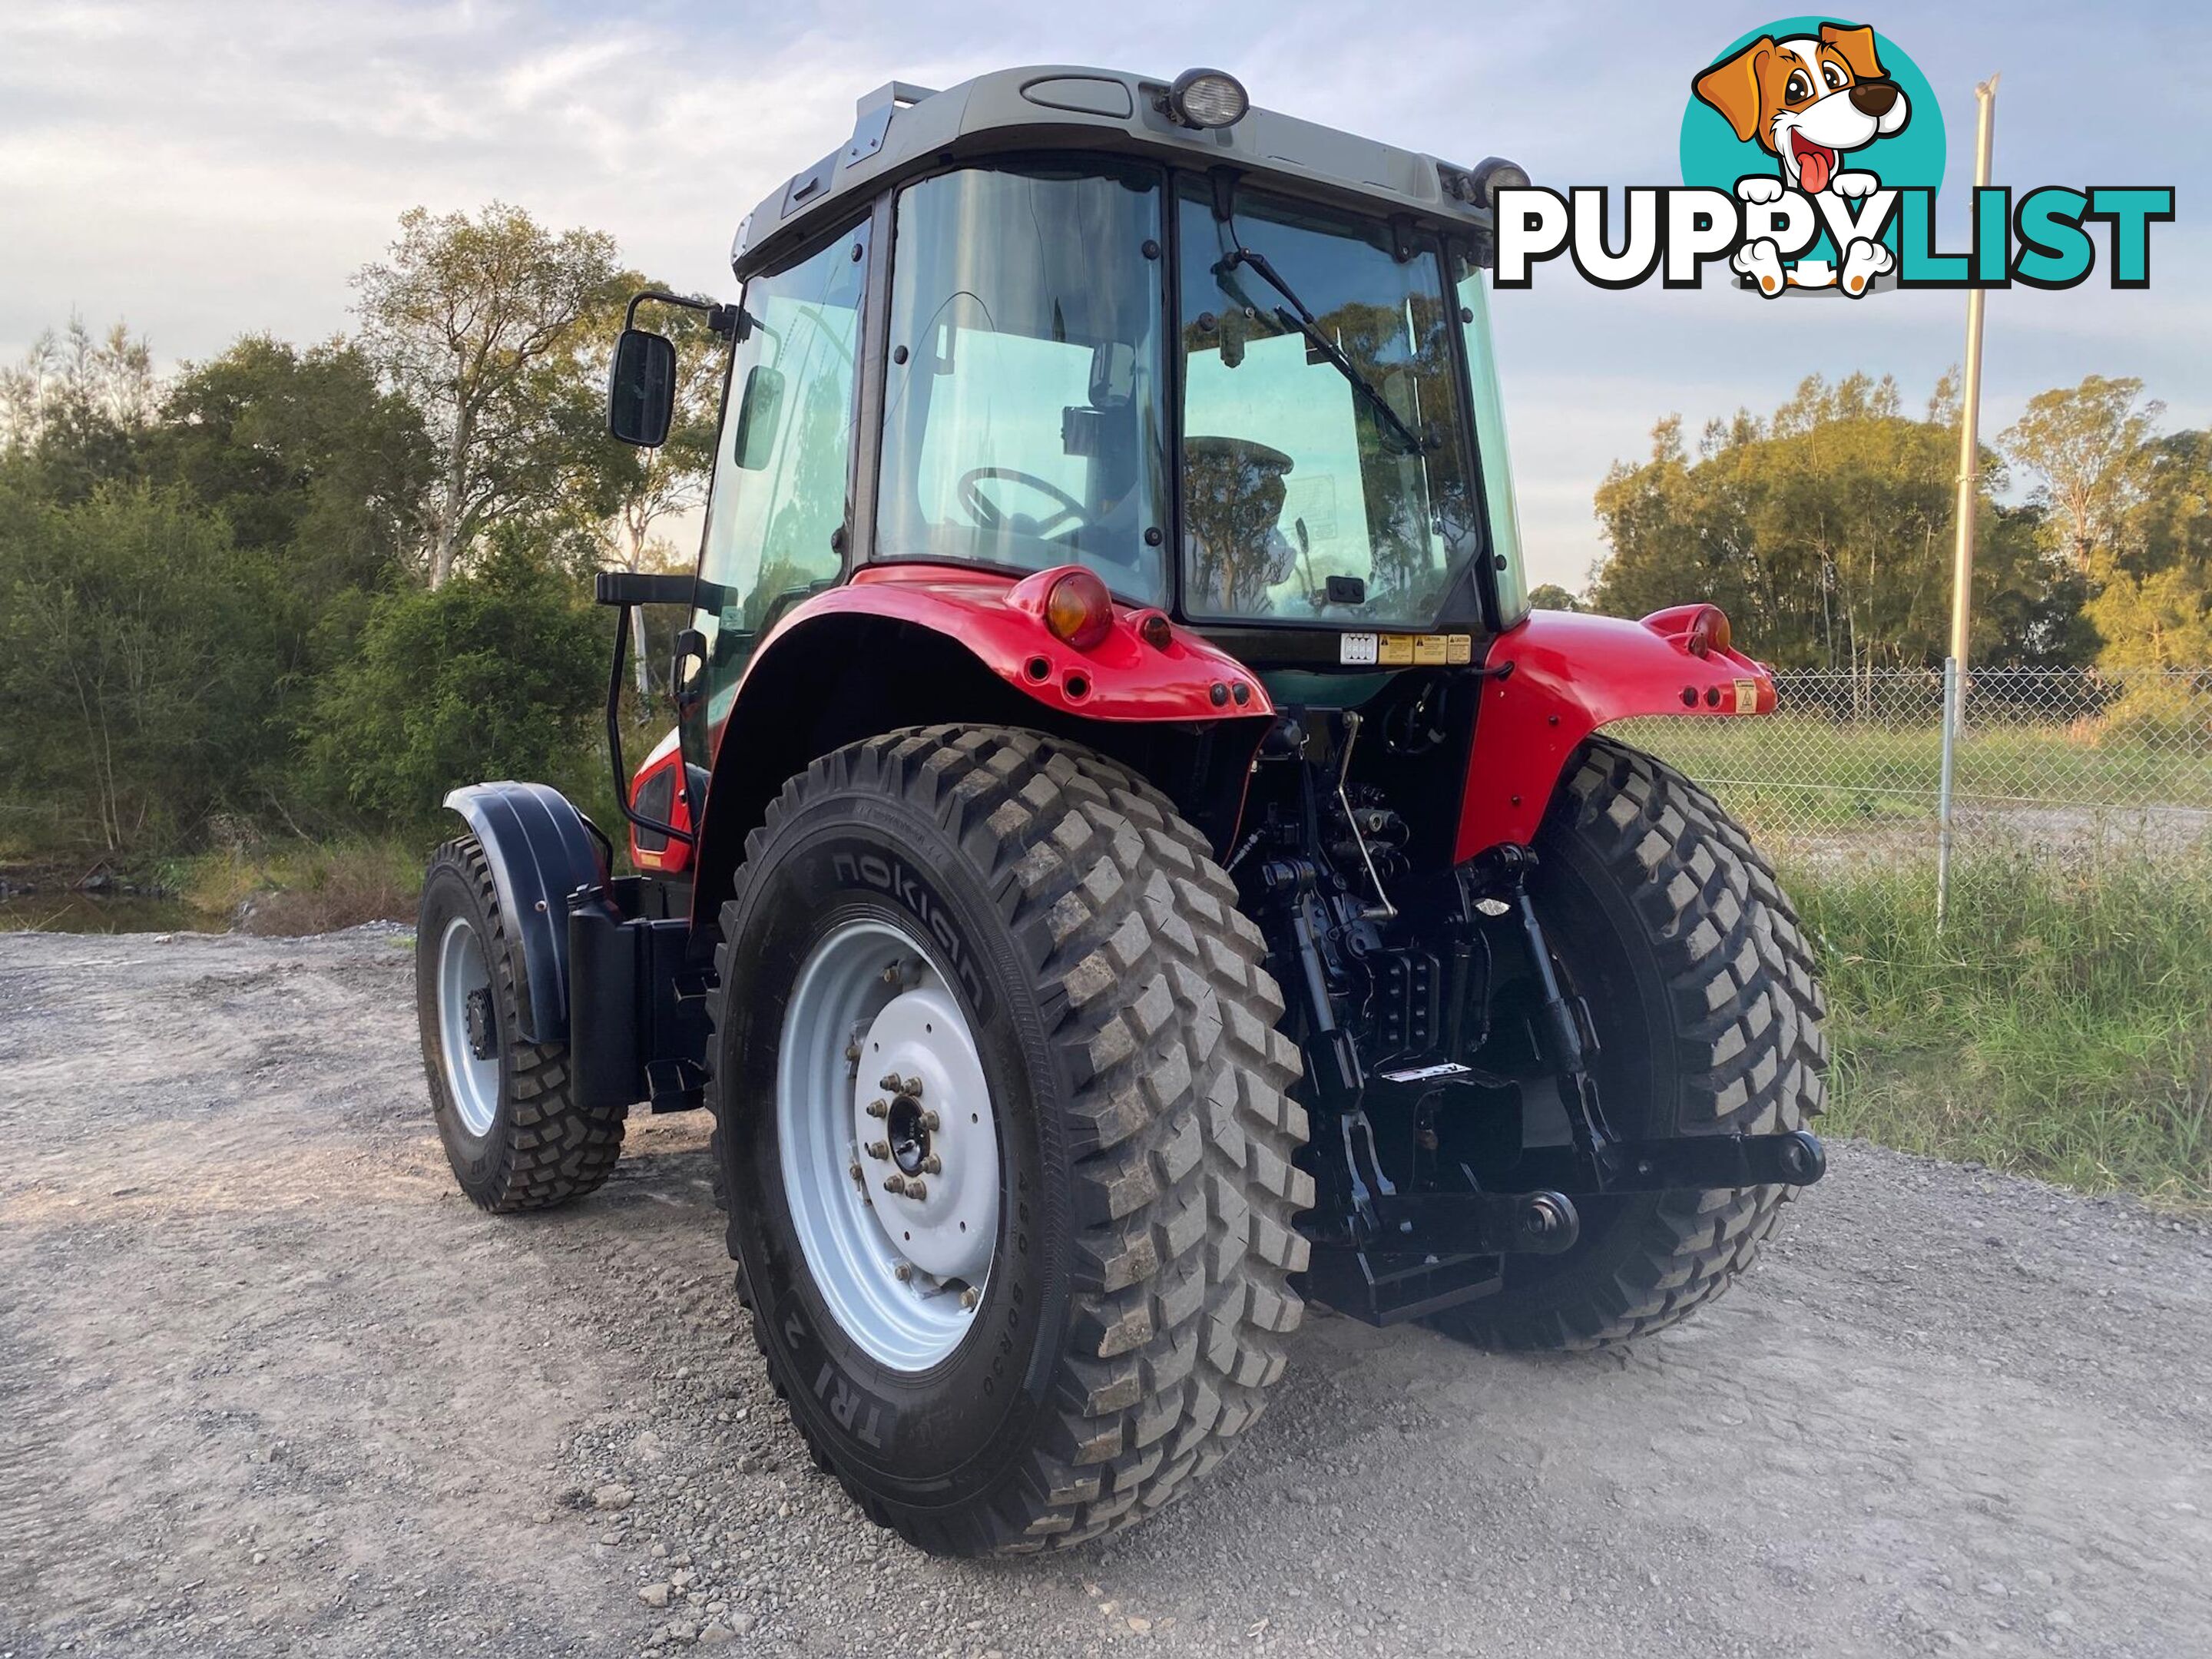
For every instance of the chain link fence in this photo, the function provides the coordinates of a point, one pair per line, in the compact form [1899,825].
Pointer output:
[2055,761]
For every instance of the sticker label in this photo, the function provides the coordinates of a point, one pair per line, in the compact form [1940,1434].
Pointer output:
[1746,696]
[1405,650]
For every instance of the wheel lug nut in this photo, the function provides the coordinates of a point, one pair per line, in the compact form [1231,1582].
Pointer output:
[894,1183]
[888,1083]
[879,1109]
[968,1297]
[917,1190]
[933,1165]
[853,1171]
[929,1121]
[891,975]
[911,1086]
[877,1149]
[902,1271]
[852,1052]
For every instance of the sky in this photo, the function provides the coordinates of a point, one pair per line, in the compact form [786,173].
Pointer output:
[204,168]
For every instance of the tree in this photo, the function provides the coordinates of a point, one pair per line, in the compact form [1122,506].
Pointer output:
[137,681]
[495,673]
[2086,446]
[78,405]
[482,324]
[1550,596]
[305,454]
[1825,532]
[2153,607]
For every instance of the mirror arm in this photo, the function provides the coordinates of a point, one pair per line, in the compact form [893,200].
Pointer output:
[725,319]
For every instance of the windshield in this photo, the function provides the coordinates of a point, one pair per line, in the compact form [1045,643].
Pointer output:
[1322,430]
[1490,443]
[1023,414]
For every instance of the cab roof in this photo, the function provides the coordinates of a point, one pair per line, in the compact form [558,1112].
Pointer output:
[900,129]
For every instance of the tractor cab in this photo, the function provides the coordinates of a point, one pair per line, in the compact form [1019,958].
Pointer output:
[1129,861]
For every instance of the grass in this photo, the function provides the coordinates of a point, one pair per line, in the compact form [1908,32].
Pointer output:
[303,887]
[2060,1026]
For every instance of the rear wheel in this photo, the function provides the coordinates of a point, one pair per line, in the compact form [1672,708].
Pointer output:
[1000,1109]
[1670,925]
[514,1132]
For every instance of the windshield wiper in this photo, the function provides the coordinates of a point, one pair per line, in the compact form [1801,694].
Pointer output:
[1305,323]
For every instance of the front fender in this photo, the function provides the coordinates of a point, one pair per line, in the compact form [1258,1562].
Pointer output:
[1555,678]
[540,854]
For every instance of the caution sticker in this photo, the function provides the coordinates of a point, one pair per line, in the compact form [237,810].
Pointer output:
[1406,650]
[1746,696]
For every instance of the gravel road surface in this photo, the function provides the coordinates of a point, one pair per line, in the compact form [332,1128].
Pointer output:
[268,1385]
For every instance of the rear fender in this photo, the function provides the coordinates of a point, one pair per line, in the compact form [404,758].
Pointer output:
[541,853]
[1555,678]
[906,645]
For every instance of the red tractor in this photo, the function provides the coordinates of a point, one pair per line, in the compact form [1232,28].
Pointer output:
[1130,861]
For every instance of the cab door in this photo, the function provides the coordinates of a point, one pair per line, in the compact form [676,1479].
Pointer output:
[779,510]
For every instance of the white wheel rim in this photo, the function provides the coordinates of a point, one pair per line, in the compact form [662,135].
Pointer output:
[902,1271]
[471,1080]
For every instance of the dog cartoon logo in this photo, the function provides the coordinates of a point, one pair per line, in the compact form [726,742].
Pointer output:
[1813,96]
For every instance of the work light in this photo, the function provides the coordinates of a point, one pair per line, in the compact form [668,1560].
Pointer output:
[1493,173]
[1207,98]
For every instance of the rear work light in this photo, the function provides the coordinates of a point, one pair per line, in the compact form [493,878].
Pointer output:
[1079,610]
[1206,98]
[1709,632]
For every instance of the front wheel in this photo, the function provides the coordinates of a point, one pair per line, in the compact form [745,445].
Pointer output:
[514,1132]
[1670,926]
[1001,1110]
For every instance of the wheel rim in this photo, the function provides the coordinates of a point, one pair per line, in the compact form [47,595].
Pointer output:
[893,1187]
[472,1056]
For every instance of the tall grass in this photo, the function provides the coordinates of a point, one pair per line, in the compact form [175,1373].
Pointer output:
[2060,1026]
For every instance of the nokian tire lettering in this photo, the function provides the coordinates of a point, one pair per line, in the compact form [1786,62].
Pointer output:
[1132,1318]
[541,1148]
[1706,981]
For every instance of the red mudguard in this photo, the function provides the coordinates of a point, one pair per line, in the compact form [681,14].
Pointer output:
[1570,674]
[1001,621]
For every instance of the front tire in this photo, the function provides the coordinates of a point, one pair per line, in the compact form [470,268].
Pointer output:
[1669,923]
[1117,1042]
[513,1131]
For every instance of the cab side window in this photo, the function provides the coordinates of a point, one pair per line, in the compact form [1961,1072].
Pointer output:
[782,465]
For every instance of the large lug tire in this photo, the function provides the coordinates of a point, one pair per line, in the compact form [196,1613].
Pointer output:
[1700,986]
[515,1134]
[1127,1318]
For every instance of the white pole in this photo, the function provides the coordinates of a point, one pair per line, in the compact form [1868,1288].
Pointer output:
[1962,557]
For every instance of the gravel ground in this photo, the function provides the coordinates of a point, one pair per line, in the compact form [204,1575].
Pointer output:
[268,1385]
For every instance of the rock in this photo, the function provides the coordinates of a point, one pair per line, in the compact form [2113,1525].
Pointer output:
[683,1630]
[654,1595]
[613,1496]
[741,1624]
[714,1633]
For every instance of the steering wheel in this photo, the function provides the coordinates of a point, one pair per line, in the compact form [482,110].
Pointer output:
[987,513]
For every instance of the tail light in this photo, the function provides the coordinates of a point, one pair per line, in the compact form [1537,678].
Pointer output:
[1709,632]
[1079,610]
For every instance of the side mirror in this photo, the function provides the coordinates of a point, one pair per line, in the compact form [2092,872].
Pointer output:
[641,389]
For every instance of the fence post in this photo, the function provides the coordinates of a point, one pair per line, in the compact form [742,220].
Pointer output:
[1962,561]
[1943,789]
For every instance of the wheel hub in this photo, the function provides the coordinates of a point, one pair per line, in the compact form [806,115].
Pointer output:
[482,1029]
[909,1138]
[921,1118]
